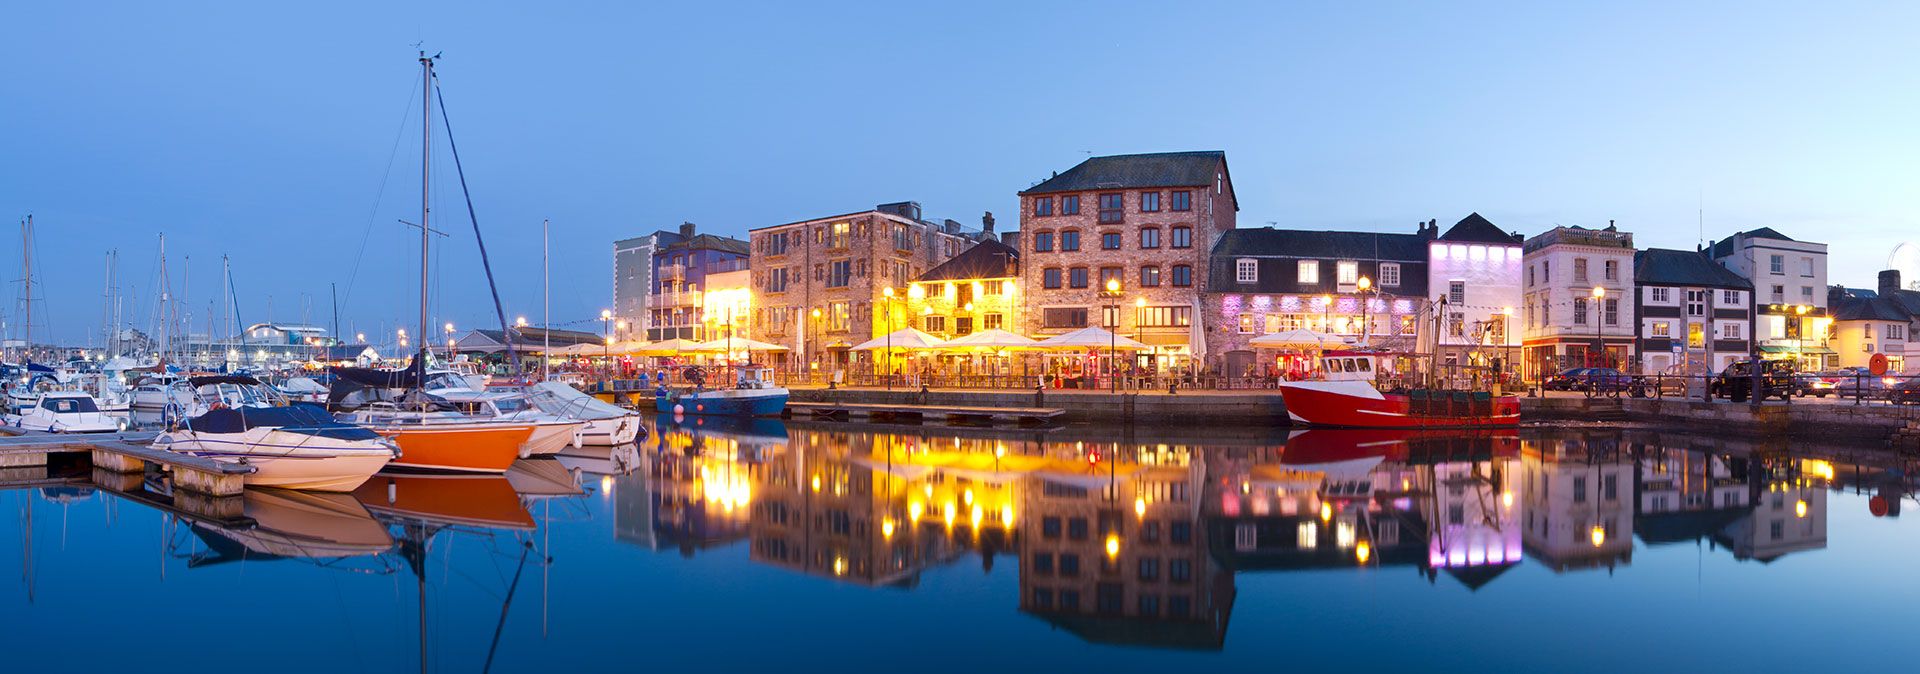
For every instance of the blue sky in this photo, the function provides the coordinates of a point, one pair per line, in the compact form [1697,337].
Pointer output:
[266,131]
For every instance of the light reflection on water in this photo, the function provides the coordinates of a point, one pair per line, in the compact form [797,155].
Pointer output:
[764,544]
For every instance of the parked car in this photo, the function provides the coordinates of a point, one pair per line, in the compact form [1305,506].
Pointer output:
[1736,382]
[1816,384]
[1604,380]
[1565,380]
[1905,391]
[1860,384]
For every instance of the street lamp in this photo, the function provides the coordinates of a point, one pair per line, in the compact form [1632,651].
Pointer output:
[1112,294]
[815,325]
[606,332]
[1799,333]
[1366,312]
[887,306]
[1599,342]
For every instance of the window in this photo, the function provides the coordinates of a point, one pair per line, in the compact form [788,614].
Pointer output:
[935,323]
[1043,597]
[1696,303]
[1456,292]
[1180,532]
[839,273]
[1150,237]
[777,280]
[1806,266]
[1246,324]
[1580,311]
[1612,270]
[1246,270]
[1149,605]
[1529,276]
[1613,311]
[1149,568]
[1308,271]
[1166,317]
[838,316]
[1806,294]
[1114,274]
[1050,278]
[1456,324]
[1610,488]
[1346,272]
[1696,336]
[1042,562]
[1150,277]
[1579,490]
[1043,206]
[1180,571]
[1662,329]
[1662,295]
[1077,277]
[1389,274]
[1149,202]
[1777,264]
[1779,294]
[1109,241]
[1070,240]
[1064,317]
[1580,270]
[1070,566]
[1042,242]
[842,231]
[1050,527]
[1182,276]
[1731,297]
[777,244]
[1112,208]
[1182,237]
[1730,331]
[1077,528]
[1182,200]
[991,321]
[1070,205]
[1896,331]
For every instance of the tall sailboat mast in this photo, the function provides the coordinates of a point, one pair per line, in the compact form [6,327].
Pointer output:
[426,160]
[26,258]
[166,305]
[106,311]
[546,306]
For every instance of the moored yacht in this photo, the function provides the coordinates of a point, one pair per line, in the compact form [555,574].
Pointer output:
[432,433]
[1348,396]
[295,446]
[752,395]
[64,412]
[607,425]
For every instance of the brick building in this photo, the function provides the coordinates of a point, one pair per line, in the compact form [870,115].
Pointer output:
[840,266]
[979,289]
[1143,221]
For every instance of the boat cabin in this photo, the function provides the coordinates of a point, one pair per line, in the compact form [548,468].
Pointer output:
[1350,365]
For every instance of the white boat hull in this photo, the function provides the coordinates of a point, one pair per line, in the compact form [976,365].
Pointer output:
[285,459]
[610,432]
[550,437]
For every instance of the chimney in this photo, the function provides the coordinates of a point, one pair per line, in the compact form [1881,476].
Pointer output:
[1889,281]
[686,230]
[986,225]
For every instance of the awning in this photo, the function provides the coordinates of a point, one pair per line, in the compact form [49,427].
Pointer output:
[1163,338]
[1807,351]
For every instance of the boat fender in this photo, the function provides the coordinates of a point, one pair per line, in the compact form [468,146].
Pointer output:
[679,409]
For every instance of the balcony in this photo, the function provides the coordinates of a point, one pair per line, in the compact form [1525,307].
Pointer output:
[683,298]
[673,272]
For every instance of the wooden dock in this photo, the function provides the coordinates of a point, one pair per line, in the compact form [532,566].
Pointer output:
[1018,415]
[125,454]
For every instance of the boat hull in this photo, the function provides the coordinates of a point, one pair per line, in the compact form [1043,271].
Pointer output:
[549,438]
[460,448]
[287,460]
[1356,404]
[610,432]
[728,403]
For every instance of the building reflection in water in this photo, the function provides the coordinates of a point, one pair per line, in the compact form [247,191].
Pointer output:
[1140,543]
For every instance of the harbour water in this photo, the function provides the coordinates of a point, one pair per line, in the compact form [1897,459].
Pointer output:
[821,546]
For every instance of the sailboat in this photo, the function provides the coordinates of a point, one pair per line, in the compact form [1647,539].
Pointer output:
[432,435]
[45,399]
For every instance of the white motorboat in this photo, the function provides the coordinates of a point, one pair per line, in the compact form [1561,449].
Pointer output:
[551,432]
[293,446]
[163,391]
[303,389]
[607,425]
[65,412]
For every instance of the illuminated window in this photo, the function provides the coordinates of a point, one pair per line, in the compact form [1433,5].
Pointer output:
[1346,272]
[1149,276]
[1308,271]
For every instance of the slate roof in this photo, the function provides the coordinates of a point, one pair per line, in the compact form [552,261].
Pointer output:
[1870,309]
[1267,241]
[1667,267]
[532,335]
[1477,229]
[711,242]
[987,259]
[1724,247]
[1162,169]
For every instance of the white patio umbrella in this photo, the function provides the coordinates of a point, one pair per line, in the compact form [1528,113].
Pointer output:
[990,339]
[669,347]
[736,344]
[1090,337]
[907,339]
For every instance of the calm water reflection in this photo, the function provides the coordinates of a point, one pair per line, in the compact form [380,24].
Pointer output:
[814,546]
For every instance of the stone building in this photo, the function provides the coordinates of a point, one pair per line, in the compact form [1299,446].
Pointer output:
[1264,281]
[1565,321]
[1695,316]
[1789,286]
[1143,223]
[819,284]
[979,289]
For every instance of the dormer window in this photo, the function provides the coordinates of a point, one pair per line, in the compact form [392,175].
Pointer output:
[1246,270]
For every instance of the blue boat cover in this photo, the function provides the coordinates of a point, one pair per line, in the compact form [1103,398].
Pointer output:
[308,419]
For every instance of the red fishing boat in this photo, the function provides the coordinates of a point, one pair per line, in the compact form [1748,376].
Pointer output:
[1348,397]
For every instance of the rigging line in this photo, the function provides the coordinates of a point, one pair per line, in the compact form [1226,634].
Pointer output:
[499,311]
[380,194]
